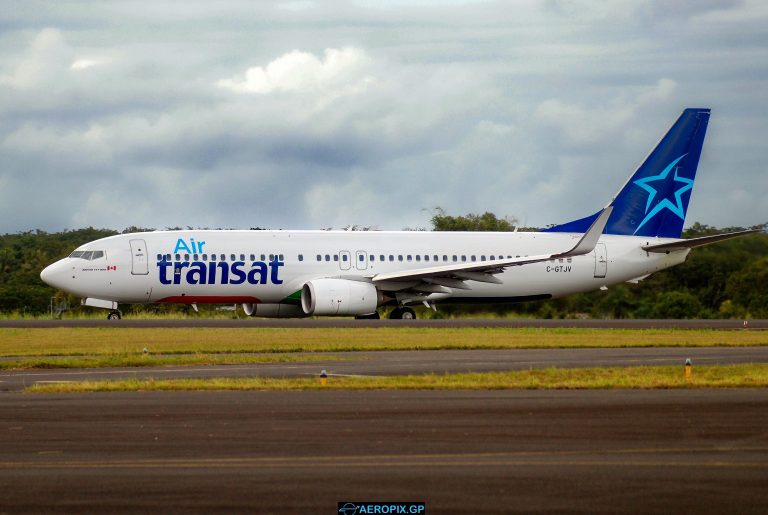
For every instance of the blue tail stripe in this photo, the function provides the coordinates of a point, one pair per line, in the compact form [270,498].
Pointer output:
[654,201]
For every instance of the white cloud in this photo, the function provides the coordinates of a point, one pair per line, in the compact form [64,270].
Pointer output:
[299,71]
[82,64]
[46,58]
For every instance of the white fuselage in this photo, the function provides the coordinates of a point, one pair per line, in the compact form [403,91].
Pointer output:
[271,266]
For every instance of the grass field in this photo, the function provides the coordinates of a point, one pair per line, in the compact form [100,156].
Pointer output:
[729,376]
[127,341]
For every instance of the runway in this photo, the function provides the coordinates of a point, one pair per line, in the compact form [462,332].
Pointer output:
[296,323]
[410,362]
[703,451]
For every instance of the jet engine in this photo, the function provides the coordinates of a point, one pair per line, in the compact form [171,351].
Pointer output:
[273,310]
[339,297]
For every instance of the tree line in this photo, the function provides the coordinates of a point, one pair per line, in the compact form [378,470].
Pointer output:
[724,280]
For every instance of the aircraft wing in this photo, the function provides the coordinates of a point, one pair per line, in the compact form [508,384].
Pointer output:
[696,242]
[438,278]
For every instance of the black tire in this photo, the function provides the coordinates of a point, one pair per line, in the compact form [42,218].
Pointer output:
[372,316]
[408,314]
[396,314]
[114,315]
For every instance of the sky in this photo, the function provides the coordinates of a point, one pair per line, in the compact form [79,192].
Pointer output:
[311,115]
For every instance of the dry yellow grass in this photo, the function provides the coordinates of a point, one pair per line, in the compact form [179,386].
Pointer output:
[108,341]
[728,376]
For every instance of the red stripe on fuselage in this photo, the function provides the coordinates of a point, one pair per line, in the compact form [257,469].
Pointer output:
[210,299]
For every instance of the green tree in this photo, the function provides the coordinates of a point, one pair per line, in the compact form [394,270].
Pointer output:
[471,222]
[748,289]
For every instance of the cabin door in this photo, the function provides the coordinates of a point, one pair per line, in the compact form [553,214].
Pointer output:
[139,264]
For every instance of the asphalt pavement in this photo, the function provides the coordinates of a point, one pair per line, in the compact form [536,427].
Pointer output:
[615,451]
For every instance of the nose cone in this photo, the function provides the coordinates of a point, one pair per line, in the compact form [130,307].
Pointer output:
[53,275]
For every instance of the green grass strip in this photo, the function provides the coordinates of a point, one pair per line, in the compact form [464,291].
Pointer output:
[148,360]
[109,341]
[728,376]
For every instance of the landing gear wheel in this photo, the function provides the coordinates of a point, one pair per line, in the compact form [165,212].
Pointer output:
[372,316]
[402,313]
[114,315]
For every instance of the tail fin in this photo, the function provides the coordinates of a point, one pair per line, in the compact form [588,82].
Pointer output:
[654,201]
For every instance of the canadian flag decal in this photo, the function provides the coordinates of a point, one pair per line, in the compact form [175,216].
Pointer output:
[112,268]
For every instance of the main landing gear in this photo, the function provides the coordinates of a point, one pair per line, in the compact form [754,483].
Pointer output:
[114,315]
[402,313]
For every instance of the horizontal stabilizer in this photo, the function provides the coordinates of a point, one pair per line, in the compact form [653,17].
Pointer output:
[696,242]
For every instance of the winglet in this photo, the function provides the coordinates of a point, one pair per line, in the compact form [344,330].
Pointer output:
[587,242]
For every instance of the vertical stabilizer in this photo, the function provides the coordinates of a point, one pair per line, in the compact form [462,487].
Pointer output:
[654,200]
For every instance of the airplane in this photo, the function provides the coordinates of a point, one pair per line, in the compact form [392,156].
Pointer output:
[354,273]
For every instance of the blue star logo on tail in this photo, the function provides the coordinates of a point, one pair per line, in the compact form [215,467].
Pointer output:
[666,190]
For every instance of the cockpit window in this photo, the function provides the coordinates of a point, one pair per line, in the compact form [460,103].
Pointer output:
[88,255]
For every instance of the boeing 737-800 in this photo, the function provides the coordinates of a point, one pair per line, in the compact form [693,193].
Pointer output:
[307,273]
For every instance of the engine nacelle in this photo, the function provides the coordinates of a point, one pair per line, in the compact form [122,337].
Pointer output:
[339,297]
[273,310]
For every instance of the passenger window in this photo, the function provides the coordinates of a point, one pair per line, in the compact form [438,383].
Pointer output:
[455,258]
[391,257]
[372,257]
[301,257]
[264,258]
[242,257]
[281,257]
[381,257]
[434,257]
[159,257]
[361,257]
[464,258]
[336,257]
[409,257]
[205,257]
[253,257]
[178,257]
[186,257]
[319,257]
[482,258]
[399,257]
[223,257]
[426,257]
[195,257]
[167,257]
[213,257]
[327,257]
[418,257]
[473,258]
[344,257]
[445,258]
